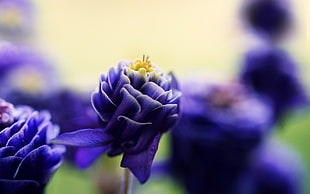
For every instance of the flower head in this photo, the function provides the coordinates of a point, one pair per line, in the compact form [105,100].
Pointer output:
[273,74]
[268,18]
[219,127]
[27,159]
[136,103]
[16,17]
[25,74]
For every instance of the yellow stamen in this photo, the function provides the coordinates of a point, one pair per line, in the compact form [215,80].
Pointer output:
[142,66]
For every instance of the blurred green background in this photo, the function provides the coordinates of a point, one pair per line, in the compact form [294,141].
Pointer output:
[85,38]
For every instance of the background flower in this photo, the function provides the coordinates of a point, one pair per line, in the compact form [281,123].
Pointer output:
[16,19]
[26,75]
[219,128]
[272,73]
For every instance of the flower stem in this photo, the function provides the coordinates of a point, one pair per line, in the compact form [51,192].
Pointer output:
[127,178]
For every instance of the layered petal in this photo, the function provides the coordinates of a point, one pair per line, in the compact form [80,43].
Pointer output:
[140,164]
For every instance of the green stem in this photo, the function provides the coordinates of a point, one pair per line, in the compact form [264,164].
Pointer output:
[126,186]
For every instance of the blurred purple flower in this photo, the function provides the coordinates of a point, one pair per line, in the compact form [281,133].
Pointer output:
[271,19]
[27,159]
[136,103]
[274,169]
[273,74]
[16,18]
[26,76]
[219,127]
[77,113]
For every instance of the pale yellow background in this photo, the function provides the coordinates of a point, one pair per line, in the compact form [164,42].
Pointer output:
[86,37]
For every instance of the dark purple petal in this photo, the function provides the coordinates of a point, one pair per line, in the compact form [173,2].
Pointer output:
[6,133]
[26,133]
[40,164]
[84,138]
[86,156]
[119,85]
[140,164]
[20,187]
[132,126]
[27,148]
[147,105]
[7,151]
[163,97]
[112,77]
[103,105]
[8,166]
[128,106]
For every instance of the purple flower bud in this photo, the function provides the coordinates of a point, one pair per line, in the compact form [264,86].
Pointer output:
[136,103]
[273,74]
[27,159]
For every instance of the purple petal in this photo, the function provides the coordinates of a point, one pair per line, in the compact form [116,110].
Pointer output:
[132,126]
[86,156]
[147,105]
[26,133]
[27,148]
[162,98]
[6,133]
[103,105]
[112,76]
[40,164]
[120,84]
[84,138]
[127,107]
[140,164]
[135,93]
[151,89]
[20,186]
[7,151]
[8,166]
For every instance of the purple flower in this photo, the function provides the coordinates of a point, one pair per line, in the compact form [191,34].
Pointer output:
[27,159]
[268,18]
[274,169]
[25,74]
[219,127]
[273,74]
[16,17]
[136,103]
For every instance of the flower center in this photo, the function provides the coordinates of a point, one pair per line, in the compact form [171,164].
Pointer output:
[225,96]
[32,79]
[10,16]
[143,66]
[6,113]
